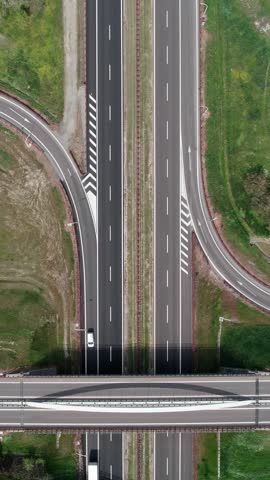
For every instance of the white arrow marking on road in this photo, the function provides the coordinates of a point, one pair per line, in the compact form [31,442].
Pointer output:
[25,119]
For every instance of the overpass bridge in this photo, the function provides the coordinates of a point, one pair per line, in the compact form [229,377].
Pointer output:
[130,402]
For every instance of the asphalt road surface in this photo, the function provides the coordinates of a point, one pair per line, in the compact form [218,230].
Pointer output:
[109,186]
[104,182]
[247,402]
[173,253]
[124,387]
[106,450]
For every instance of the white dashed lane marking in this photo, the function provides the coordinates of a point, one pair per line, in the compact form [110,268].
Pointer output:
[185,222]
[90,180]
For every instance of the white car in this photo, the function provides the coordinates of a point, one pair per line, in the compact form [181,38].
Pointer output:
[90,338]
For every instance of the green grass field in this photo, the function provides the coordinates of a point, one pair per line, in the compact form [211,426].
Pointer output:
[207,456]
[32,53]
[27,329]
[238,140]
[243,345]
[26,450]
[244,456]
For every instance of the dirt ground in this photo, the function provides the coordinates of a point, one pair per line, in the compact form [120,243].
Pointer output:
[73,127]
[37,249]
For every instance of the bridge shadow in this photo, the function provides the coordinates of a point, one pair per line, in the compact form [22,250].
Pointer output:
[112,360]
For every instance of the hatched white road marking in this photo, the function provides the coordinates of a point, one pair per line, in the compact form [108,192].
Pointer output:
[185,222]
[90,180]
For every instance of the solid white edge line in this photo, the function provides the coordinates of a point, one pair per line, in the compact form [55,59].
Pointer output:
[97,205]
[98,448]
[128,425]
[122,184]
[123,456]
[86,453]
[201,379]
[155,184]
[180,183]
[154,459]
[180,456]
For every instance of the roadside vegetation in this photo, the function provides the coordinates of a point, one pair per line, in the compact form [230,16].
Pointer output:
[27,456]
[238,128]
[240,341]
[37,280]
[32,53]
[139,348]
[244,455]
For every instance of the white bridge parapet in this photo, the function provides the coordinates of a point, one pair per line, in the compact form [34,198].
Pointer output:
[114,407]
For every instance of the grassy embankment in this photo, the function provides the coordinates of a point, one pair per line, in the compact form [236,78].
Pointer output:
[244,455]
[244,344]
[37,286]
[32,53]
[238,165]
[238,130]
[146,182]
[27,456]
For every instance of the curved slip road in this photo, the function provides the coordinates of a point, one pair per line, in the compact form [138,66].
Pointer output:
[38,132]
[214,249]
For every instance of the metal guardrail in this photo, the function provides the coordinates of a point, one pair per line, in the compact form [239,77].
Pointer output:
[148,404]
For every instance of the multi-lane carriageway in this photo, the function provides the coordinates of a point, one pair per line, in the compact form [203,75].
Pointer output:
[160,402]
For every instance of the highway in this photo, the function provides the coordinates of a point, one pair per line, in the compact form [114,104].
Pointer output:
[173,252]
[104,185]
[103,182]
[109,105]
